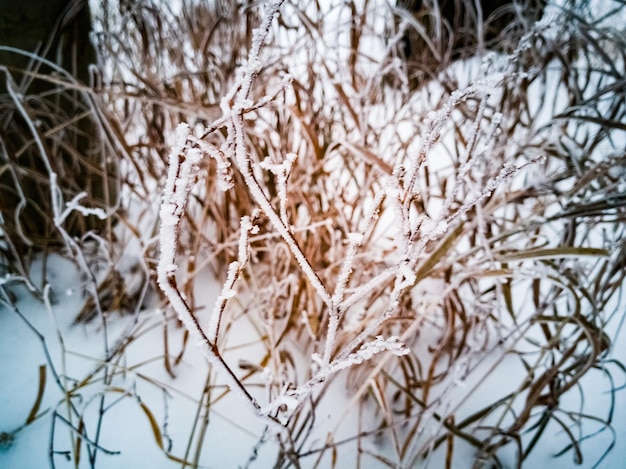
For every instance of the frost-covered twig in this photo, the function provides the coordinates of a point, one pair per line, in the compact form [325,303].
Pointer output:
[73,205]
[234,270]
[234,104]
[375,323]
[290,399]
[184,161]
[435,123]
[282,172]
[245,166]
[354,242]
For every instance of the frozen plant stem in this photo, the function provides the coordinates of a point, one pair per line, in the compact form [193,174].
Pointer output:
[184,160]
[354,240]
[239,94]
[234,271]
[183,165]
[245,166]
[180,181]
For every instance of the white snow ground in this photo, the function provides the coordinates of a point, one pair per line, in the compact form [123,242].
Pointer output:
[76,351]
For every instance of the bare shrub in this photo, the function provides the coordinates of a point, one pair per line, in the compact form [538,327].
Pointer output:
[392,243]
[366,197]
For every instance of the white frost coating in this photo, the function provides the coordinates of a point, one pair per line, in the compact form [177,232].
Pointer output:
[182,132]
[281,227]
[394,194]
[355,238]
[431,229]
[406,276]
[441,228]
[282,172]
[168,217]
[437,119]
[236,136]
[183,163]
[367,351]
[172,207]
[243,251]
[170,268]
[363,290]
[317,359]
[178,185]
[224,176]
[288,399]
[195,155]
[242,105]
[292,398]
[73,205]
[227,293]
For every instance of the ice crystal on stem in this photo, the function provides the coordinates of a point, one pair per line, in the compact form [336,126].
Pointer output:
[184,160]
[282,172]
[182,169]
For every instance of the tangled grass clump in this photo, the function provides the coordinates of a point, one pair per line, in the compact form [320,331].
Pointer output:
[466,217]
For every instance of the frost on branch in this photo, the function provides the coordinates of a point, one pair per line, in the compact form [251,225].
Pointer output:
[234,271]
[184,160]
[224,176]
[282,172]
[73,205]
[367,351]
[289,400]
[179,183]
[405,277]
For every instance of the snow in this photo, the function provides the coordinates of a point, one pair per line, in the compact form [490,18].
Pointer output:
[110,375]
[77,351]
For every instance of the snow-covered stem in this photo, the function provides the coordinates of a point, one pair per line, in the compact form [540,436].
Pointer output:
[334,314]
[293,398]
[282,172]
[466,161]
[506,173]
[226,294]
[234,271]
[73,205]
[375,324]
[366,288]
[435,123]
[259,36]
[245,166]
[354,242]
[180,180]
[235,127]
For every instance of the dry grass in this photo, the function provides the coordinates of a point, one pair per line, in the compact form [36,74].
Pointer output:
[488,196]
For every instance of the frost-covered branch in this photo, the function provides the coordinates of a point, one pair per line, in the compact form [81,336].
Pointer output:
[435,124]
[292,398]
[234,270]
[354,242]
[183,165]
[245,165]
